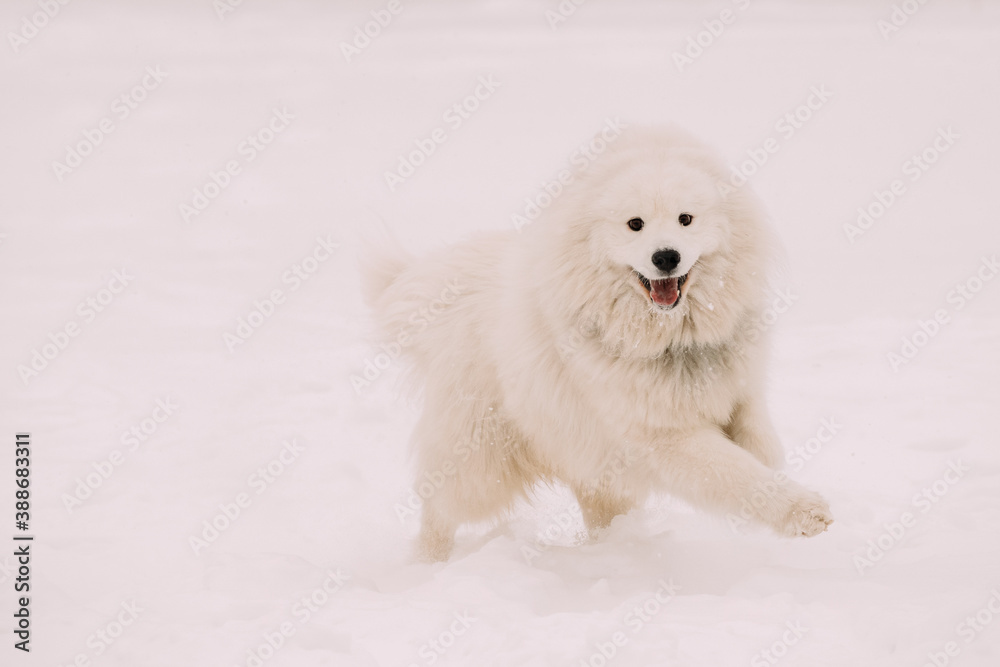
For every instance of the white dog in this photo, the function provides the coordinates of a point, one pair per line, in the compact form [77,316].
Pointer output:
[610,345]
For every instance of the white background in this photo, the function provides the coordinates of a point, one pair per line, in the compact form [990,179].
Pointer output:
[162,336]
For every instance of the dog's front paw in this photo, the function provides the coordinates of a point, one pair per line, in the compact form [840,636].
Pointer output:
[808,515]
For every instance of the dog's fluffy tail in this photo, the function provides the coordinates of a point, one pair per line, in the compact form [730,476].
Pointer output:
[382,261]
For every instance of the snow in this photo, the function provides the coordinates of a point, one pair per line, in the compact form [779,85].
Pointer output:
[531,590]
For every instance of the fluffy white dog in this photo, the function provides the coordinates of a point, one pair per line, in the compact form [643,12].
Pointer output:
[610,345]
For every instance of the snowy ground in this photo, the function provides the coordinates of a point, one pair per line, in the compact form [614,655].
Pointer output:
[317,560]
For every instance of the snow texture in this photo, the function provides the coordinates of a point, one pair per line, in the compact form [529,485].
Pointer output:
[157,101]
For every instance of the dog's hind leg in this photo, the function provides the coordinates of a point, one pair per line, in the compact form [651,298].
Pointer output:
[437,535]
[600,507]
[472,468]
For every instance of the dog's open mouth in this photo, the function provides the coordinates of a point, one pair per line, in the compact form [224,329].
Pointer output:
[665,293]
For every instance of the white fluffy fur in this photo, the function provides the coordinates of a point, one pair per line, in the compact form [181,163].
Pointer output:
[543,358]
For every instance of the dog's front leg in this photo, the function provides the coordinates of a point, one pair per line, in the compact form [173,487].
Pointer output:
[709,470]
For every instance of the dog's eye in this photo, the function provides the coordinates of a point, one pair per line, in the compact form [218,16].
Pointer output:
[635,224]
[685,219]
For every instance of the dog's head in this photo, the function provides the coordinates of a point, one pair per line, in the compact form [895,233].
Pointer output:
[660,217]
[657,249]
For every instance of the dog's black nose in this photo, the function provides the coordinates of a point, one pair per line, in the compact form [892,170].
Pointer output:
[666,260]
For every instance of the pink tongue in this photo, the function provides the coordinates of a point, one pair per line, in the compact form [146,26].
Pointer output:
[664,292]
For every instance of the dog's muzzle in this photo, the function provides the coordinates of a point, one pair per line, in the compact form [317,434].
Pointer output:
[665,293]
